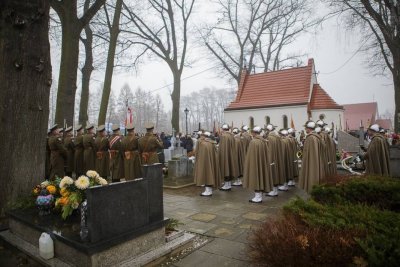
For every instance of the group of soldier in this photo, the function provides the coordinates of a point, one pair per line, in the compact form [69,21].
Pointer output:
[264,160]
[114,157]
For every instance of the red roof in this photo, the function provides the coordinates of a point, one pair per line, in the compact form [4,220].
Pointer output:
[385,123]
[275,88]
[321,100]
[287,87]
[355,113]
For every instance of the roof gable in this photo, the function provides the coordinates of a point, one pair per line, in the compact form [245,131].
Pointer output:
[275,88]
[321,100]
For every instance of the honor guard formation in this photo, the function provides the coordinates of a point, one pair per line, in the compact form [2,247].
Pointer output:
[113,156]
[264,160]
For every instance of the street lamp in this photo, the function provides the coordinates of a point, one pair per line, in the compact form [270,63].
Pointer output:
[186,113]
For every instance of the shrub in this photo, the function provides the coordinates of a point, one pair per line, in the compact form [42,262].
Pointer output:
[382,192]
[290,242]
[380,244]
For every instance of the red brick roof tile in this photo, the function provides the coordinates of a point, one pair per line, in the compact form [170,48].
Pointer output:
[355,113]
[321,100]
[275,88]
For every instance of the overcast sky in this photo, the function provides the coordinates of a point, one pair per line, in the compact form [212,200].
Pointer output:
[331,48]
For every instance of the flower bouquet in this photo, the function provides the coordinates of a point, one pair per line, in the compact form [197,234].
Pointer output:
[72,193]
[45,194]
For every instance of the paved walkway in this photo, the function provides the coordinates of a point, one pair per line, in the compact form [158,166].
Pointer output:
[226,217]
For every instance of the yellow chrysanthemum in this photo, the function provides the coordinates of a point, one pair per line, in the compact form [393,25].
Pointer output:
[82,182]
[52,189]
[64,192]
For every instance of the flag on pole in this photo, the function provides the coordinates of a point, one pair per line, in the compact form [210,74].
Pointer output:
[291,122]
[129,116]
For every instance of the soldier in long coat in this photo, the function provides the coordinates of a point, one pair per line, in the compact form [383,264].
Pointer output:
[58,154]
[288,156]
[293,142]
[377,155]
[102,161]
[277,167]
[257,173]
[116,156]
[89,149]
[312,168]
[69,146]
[78,156]
[226,157]
[330,151]
[239,157]
[130,146]
[206,167]
[148,146]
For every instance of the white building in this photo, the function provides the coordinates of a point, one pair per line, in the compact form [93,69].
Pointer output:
[284,98]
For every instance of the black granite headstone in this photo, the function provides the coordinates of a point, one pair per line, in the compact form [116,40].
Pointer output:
[153,175]
[116,209]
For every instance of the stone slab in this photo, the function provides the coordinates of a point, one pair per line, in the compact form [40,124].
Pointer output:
[205,259]
[203,217]
[117,208]
[226,248]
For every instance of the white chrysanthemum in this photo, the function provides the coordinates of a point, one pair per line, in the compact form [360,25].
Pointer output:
[44,184]
[82,182]
[102,181]
[92,174]
[66,181]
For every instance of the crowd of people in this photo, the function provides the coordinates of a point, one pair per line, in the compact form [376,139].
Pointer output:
[266,161]
[113,156]
[263,160]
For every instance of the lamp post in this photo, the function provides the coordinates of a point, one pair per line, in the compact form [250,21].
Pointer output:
[186,113]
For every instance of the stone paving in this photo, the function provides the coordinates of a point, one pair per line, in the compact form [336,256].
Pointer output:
[226,218]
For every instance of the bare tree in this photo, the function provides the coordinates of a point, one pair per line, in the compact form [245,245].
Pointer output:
[161,28]
[114,31]
[254,33]
[72,26]
[25,80]
[86,70]
[379,23]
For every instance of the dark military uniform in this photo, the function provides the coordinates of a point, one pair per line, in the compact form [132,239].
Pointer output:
[102,158]
[58,154]
[148,146]
[116,158]
[78,156]
[88,152]
[130,146]
[69,146]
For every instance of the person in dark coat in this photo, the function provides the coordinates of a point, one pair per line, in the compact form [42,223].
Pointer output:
[69,146]
[78,156]
[58,154]
[130,146]
[148,146]
[102,161]
[116,155]
[89,149]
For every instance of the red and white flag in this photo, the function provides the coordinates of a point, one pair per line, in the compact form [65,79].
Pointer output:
[129,116]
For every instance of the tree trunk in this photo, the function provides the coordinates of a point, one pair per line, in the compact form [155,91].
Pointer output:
[86,74]
[68,72]
[25,80]
[176,98]
[396,83]
[114,31]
